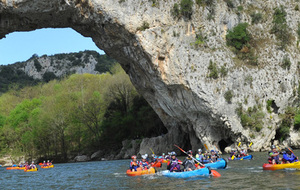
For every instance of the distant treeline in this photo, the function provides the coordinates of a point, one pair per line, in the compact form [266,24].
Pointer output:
[77,114]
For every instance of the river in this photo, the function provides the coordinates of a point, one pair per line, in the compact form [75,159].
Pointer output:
[111,175]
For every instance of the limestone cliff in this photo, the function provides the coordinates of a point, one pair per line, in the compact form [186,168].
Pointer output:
[157,46]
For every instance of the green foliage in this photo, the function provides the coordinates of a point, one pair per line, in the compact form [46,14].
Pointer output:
[213,70]
[269,104]
[297,121]
[252,118]
[286,63]
[144,26]
[238,36]
[280,27]
[228,96]
[48,76]
[175,12]
[37,65]
[298,30]
[223,71]
[186,8]
[297,7]
[200,39]
[81,113]
[256,17]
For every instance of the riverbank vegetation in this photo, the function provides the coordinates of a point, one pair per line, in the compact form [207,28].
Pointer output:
[79,114]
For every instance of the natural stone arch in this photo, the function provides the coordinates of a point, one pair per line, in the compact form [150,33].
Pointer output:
[164,65]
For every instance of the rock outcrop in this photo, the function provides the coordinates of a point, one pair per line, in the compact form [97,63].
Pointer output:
[171,70]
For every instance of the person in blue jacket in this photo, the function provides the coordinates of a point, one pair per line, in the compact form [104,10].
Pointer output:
[289,157]
[134,164]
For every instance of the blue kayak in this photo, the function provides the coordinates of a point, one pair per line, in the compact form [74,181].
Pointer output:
[220,164]
[205,172]
[249,157]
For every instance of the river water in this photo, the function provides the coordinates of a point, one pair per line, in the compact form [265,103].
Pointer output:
[111,175]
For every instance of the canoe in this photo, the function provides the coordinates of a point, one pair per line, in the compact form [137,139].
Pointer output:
[140,172]
[203,172]
[281,166]
[157,164]
[45,167]
[12,168]
[249,157]
[31,170]
[220,164]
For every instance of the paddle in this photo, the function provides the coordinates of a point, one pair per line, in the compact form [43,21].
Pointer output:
[292,151]
[152,151]
[205,146]
[191,156]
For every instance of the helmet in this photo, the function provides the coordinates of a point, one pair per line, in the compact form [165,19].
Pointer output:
[153,155]
[242,148]
[32,162]
[144,156]
[232,149]
[273,146]
[199,150]
[44,161]
[212,151]
[173,153]
[189,152]
[163,153]
[133,157]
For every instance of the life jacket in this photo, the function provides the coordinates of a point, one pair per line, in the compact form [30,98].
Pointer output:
[132,163]
[144,164]
[174,165]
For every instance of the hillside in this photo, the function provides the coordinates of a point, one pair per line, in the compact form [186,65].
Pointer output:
[45,68]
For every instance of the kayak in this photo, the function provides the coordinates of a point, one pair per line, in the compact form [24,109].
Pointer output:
[249,157]
[45,167]
[163,161]
[220,164]
[157,164]
[12,168]
[31,170]
[140,171]
[281,166]
[203,172]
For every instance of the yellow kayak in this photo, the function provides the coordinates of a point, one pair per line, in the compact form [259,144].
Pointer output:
[31,170]
[45,167]
[281,166]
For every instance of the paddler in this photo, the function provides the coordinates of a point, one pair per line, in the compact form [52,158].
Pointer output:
[189,163]
[174,163]
[274,156]
[32,165]
[289,157]
[243,152]
[213,157]
[199,156]
[134,164]
[143,163]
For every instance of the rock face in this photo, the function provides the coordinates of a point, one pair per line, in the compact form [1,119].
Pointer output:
[158,52]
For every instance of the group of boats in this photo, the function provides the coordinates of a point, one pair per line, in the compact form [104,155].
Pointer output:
[35,169]
[209,169]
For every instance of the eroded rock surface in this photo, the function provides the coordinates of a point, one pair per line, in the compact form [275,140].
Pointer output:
[172,73]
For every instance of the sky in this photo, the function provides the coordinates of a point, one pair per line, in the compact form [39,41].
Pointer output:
[20,46]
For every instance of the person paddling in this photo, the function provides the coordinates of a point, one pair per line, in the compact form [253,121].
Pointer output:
[274,156]
[143,163]
[134,164]
[32,165]
[199,156]
[289,157]
[44,163]
[174,163]
[213,157]
[243,152]
[189,163]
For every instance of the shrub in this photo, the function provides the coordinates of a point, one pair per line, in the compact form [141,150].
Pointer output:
[297,122]
[297,8]
[200,39]
[213,70]
[223,71]
[298,31]
[228,96]
[256,18]
[186,8]
[175,12]
[229,3]
[144,26]
[37,65]
[286,63]
[252,118]
[269,103]
[238,36]
[280,27]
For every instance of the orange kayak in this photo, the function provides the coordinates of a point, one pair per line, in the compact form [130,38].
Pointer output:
[157,164]
[45,167]
[12,168]
[140,171]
